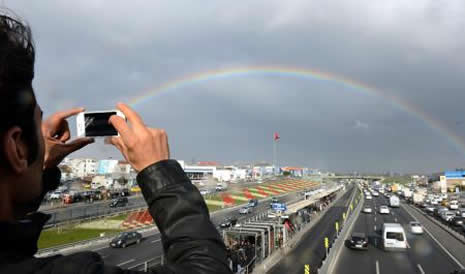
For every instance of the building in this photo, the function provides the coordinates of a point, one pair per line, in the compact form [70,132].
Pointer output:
[453,179]
[294,171]
[82,167]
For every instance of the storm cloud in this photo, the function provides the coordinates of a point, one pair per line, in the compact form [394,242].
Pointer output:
[95,53]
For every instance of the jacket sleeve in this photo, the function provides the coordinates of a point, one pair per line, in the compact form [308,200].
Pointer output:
[191,242]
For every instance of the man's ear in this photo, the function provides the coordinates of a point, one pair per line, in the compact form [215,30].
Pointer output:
[15,150]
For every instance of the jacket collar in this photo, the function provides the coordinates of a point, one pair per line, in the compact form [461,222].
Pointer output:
[20,238]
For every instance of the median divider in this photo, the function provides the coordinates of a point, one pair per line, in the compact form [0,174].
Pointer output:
[342,231]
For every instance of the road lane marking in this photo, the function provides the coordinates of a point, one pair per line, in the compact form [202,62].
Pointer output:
[375,218]
[155,241]
[100,248]
[436,240]
[408,246]
[421,269]
[126,262]
[377,267]
[375,227]
[395,219]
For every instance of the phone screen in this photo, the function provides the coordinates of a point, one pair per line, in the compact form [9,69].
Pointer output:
[96,124]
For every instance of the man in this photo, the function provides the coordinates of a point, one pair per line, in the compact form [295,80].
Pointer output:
[30,151]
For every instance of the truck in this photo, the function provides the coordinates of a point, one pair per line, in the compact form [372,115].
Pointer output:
[394,201]
[407,193]
[418,198]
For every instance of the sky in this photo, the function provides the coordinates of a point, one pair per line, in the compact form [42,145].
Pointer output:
[95,53]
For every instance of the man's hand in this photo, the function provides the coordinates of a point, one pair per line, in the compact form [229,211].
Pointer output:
[56,136]
[141,146]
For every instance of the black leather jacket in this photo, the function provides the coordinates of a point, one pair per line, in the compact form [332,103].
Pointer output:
[190,241]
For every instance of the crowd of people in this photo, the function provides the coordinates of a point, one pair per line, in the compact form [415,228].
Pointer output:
[240,255]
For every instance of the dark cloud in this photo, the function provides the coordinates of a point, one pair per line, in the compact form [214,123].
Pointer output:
[96,53]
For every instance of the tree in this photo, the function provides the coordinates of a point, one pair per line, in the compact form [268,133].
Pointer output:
[287,173]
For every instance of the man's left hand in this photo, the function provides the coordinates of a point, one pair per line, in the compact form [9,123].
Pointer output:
[56,136]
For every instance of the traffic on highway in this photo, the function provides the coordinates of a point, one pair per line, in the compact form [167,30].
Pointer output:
[393,241]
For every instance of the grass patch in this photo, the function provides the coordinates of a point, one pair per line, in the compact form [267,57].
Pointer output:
[54,237]
[212,208]
[121,217]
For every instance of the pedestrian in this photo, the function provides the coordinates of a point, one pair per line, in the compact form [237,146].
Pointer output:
[32,149]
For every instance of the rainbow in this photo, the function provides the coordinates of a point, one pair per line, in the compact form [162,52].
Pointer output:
[302,73]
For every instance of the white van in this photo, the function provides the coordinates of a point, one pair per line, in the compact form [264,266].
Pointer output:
[394,237]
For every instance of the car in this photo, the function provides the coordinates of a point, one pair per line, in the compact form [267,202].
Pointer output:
[460,212]
[125,239]
[367,210]
[447,215]
[376,194]
[456,221]
[56,195]
[204,192]
[358,241]
[253,202]
[119,202]
[416,228]
[228,222]
[383,210]
[368,197]
[245,210]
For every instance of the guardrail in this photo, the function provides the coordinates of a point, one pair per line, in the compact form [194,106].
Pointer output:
[145,266]
[333,249]
[96,217]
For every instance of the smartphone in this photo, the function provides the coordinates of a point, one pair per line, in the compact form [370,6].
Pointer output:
[95,123]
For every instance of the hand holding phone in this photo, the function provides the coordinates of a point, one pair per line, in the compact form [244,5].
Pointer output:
[96,123]
[140,145]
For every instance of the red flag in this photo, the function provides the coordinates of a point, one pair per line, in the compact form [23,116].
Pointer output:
[276,136]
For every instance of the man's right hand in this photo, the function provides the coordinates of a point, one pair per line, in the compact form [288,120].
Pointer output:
[141,146]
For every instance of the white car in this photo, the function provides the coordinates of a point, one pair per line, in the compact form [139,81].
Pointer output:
[367,210]
[244,210]
[416,228]
[56,195]
[369,197]
[376,194]
[383,210]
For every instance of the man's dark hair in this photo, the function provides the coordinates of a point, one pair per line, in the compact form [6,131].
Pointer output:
[17,103]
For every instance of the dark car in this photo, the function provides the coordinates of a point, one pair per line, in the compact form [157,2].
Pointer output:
[120,202]
[253,202]
[126,238]
[228,222]
[358,241]
[457,221]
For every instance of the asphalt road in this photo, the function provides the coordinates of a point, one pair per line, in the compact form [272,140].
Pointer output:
[423,255]
[83,210]
[310,249]
[150,248]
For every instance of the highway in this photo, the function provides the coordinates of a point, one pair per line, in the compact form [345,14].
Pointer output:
[151,248]
[310,249]
[423,254]
[86,210]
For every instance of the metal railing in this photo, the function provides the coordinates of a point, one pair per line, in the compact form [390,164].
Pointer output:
[145,266]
